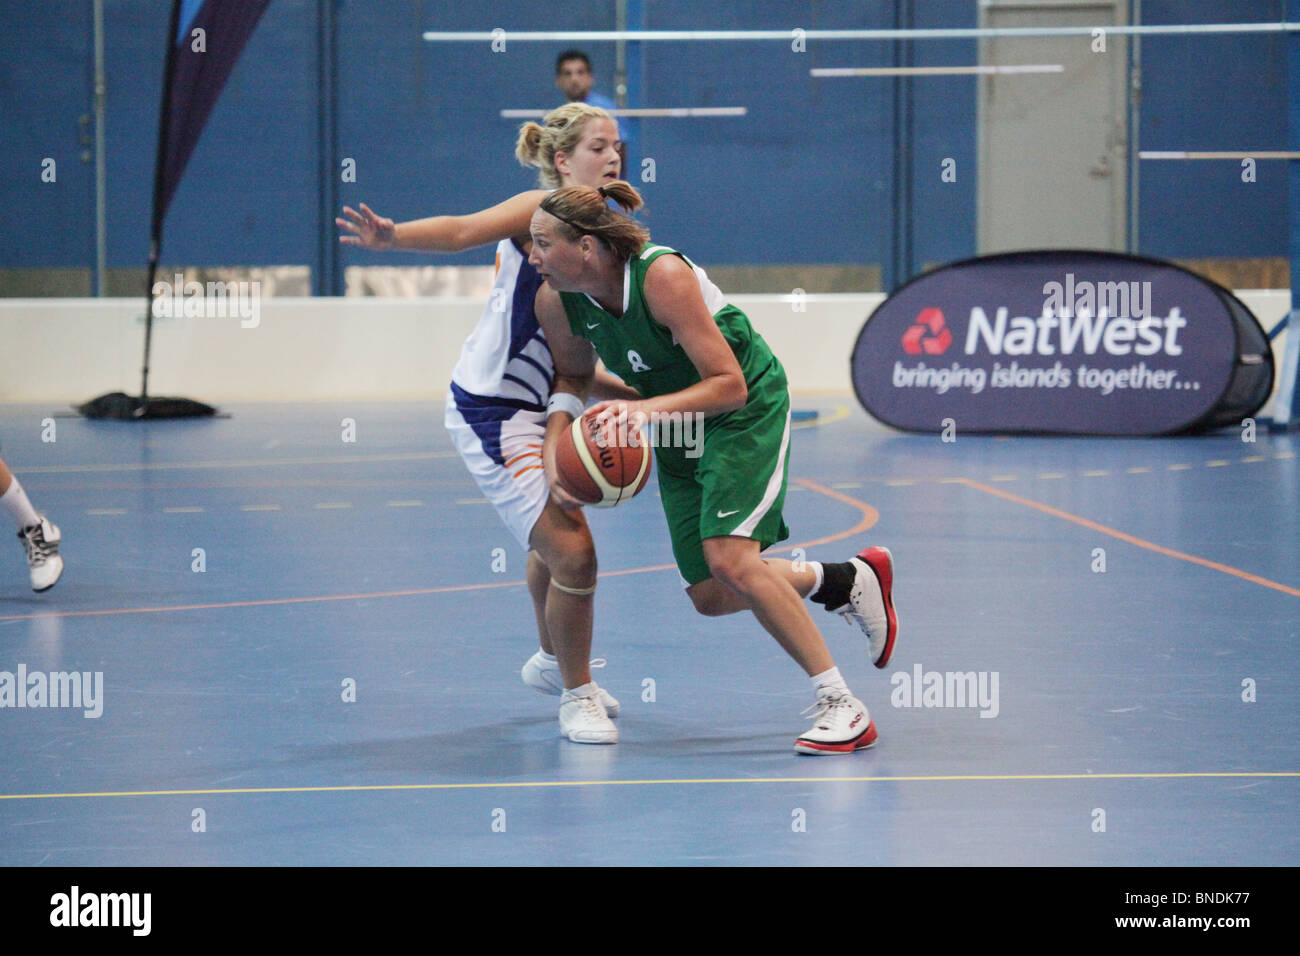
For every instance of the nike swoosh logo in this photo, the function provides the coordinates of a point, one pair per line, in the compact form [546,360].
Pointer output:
[593,326]
[728,513]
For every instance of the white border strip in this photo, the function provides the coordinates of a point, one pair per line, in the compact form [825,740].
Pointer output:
[971,33]
[936,70]
[676,111]
[774,484]
[1181,154]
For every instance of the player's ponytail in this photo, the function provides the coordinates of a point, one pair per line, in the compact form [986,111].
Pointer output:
[529,144]
[560,132]
[623,194]
[582,212]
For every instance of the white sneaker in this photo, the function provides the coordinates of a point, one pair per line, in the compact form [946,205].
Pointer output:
[42,544]
[544,677]
[871,602]
[840,726]
[584,721]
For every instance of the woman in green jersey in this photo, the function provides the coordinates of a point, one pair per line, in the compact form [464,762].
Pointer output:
[658,323]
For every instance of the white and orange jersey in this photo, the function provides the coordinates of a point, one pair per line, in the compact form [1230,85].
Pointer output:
[506,363]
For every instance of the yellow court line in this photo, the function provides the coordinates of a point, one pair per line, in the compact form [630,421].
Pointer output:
[1131,539]
[540,784]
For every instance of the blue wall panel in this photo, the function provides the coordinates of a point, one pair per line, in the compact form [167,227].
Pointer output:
[46,74]
[1213,93]
[807,176]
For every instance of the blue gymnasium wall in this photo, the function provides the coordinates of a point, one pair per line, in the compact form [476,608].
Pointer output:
[1214,93]
[807,177]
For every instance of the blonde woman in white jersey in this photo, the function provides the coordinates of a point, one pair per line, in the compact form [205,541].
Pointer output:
[500,398]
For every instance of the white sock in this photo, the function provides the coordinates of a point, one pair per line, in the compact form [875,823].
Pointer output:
[586,690]
[547,658]
[819,576]
[831,679]
[14,503]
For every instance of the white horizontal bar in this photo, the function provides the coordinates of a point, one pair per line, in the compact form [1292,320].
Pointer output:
[966,33]
[935,70]
[1204,154]
[671,111]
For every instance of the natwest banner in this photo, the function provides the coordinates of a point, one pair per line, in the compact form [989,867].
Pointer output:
[1059,341]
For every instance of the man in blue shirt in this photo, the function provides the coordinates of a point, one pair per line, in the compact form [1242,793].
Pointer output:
[573,77]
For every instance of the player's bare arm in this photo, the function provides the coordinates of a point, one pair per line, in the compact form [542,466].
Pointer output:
[673,294]
[441,233]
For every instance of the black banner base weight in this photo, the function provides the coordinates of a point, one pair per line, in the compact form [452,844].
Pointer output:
[123,407]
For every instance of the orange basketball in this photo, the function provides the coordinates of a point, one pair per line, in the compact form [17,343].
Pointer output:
[602,466]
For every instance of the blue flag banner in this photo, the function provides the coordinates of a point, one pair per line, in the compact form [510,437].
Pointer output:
[207,37]
[204,40]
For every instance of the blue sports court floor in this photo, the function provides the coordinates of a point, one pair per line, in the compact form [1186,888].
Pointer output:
[1137,601]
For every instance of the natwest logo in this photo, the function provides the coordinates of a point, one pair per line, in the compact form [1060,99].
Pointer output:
[1088,334]
[929,335]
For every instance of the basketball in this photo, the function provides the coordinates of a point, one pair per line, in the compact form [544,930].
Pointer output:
[602,467]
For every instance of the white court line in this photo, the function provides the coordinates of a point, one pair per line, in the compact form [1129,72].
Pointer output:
[955,33]
[1220,154]
[672,111]
[937,70]
[233,463]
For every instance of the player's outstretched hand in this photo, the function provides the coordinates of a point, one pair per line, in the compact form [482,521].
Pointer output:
[368,230]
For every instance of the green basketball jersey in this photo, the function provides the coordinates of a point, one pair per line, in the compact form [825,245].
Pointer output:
[735,484]
[644,353]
